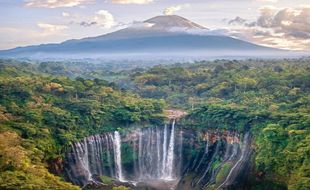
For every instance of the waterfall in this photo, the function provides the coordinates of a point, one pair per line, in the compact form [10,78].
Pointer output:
[158,151]
[82,156]
[85,160]
[163,154]
[205,153]
[244,154]
[169,165]
[180,155]
[107,139]
[210,163]
[118,156]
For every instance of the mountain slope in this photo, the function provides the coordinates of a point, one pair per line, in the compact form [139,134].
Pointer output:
[161,35]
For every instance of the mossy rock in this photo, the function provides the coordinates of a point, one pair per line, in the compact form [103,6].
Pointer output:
[224,171]
[107,180]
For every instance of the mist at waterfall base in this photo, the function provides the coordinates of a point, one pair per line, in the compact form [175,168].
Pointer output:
[162,157]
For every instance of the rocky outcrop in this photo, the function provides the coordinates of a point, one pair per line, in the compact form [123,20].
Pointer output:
[173,114]
[55,165]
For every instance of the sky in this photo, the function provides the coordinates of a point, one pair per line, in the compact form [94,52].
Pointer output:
[275,23]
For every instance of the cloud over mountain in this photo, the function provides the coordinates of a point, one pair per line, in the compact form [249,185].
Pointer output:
[104,19]
[101,18]
[171,10]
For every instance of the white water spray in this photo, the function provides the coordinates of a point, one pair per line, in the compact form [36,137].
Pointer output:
[170,155]
[164,151]
[118,157]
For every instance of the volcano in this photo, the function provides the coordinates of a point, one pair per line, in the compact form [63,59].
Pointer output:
[161,36]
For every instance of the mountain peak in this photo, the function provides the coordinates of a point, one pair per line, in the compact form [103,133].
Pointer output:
[172,21]
[162,35]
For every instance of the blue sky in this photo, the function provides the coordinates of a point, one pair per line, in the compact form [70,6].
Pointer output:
[274,23]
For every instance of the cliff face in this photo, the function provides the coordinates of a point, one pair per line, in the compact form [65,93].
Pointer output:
[166,157]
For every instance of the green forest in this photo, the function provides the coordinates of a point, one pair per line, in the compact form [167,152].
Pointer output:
[45,106]
[41,115]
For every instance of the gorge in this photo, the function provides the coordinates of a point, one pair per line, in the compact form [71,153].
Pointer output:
[162,157]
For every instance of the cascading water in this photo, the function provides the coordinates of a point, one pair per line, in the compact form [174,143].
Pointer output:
[154,150]
[169,166]
[164,152]
[244,155]
[150,157]
[118,156]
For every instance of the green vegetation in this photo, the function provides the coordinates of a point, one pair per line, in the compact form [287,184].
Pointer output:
[41,115]
[120,188]
[223,172]
[46,106]
[20,168]
[106,180]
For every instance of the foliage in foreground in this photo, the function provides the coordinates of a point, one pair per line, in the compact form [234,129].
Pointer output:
[40,116]
[19,171]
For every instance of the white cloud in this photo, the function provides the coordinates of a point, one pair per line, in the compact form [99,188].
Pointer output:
[104,19]
[287,28]
[171,10]
[141,25]
[270,38]
[132,1]
[100,18]
[289,21]
[51,29]
[45,33]
[56,3]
